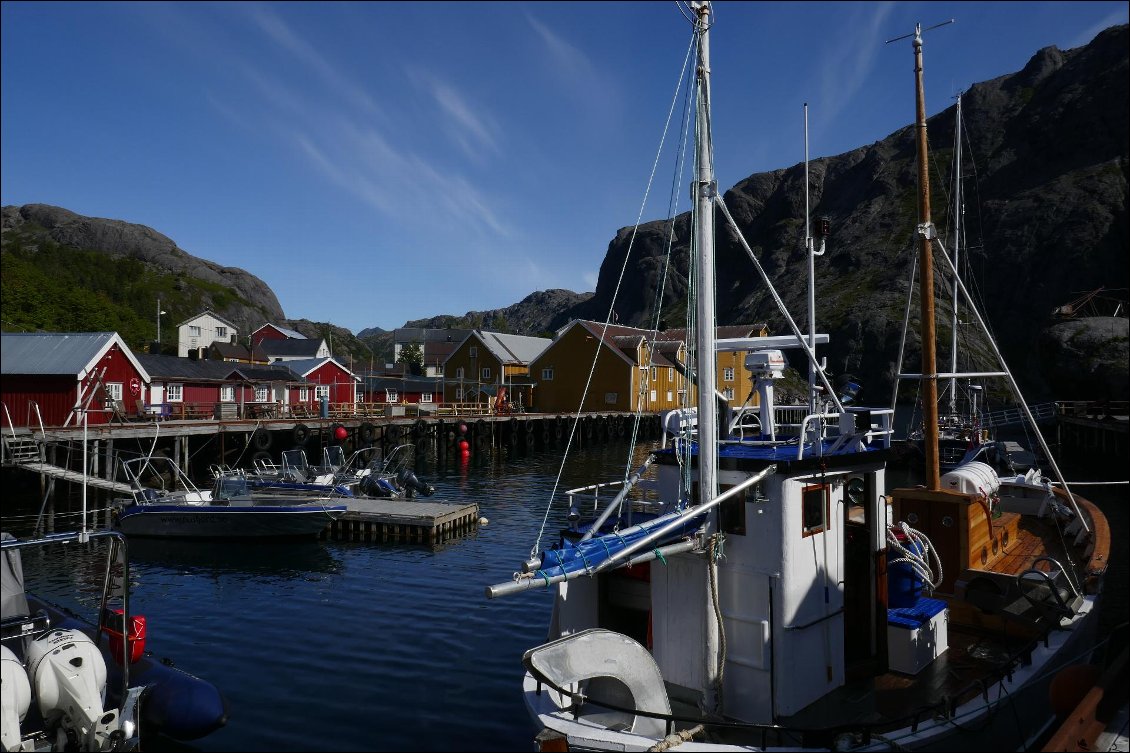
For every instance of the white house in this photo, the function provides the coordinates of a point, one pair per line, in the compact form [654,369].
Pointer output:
[202,330]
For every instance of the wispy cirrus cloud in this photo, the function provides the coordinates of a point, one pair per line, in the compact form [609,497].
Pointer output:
[575,70]
[1112,19]
[473,129]
[848,63]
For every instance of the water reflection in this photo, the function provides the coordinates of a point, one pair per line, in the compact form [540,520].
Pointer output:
[265,559]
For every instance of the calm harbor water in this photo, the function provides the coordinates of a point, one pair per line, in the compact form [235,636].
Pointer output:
[357,646]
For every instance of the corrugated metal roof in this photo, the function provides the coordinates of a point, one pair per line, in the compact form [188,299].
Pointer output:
[275,348]
[514,348]
[50,352]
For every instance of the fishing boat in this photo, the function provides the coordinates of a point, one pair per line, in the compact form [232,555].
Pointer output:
[753,586]
[175,507]
[77,685]
[963,431]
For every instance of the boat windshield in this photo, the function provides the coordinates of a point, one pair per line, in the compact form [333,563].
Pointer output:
[228,487]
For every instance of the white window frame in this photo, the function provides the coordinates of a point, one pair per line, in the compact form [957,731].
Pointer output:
[654,373]
[222,332]
[174,392]
[670,372]
[194,330]
[303,394]
[729,393]
[484,373]
[459,372]
[114,390]
[227,393]
[392,396]
[458,393]
[670,397]
[426,397]
[547,374]
[728,374]
[320,391]
[654,396]
[262,393]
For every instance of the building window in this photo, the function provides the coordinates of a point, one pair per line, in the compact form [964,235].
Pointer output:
[654,396]
[227,393]
[194,330]
[654,373]
[473,351]
[458,393]
[303,394]
[728,374]
[547,374]
[174,393]
[114,390]
[391,396]
[221,332]
[670,372]
[261,391]
[611,397]
[485,371]
[425,397]
[814,509]
[729,393]
[322,391]
[459,373]
[670,397]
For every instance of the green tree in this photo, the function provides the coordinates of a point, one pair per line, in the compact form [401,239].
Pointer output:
[412,355]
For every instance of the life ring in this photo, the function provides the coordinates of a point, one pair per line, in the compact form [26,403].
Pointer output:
[366,432]
[261,438]
[300,434]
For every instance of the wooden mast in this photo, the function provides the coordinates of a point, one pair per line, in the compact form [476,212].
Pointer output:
[926,292]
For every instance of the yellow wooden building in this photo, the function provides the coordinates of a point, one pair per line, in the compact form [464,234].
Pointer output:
[634,370]
[485,361]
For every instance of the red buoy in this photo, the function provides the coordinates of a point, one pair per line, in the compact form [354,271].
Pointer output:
[340,433]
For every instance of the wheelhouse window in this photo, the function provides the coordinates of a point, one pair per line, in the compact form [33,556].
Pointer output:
[174,393]
[815,502]
[227,393]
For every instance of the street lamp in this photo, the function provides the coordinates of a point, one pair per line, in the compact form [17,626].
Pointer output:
[159,312]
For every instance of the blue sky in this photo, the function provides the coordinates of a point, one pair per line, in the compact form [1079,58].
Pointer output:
[381,162]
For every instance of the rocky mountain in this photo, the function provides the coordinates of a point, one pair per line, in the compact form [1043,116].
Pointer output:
[1046,218]
[239,296]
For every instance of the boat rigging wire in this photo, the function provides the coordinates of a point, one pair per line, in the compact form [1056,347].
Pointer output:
[615,293]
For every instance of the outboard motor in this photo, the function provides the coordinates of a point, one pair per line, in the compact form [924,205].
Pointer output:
[16,691]
[377,486]
[69,675]
[408,480]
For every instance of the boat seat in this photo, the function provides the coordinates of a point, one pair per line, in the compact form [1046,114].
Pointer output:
[608,667]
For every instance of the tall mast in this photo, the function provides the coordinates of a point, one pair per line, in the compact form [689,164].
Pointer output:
[926,272]
[705,190]
[958,208]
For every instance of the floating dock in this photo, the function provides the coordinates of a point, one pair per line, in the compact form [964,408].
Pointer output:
[412,521]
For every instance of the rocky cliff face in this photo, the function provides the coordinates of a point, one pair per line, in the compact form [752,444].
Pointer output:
[258,302]
[1046,218]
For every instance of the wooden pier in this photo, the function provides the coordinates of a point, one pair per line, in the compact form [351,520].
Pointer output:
[413,521]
